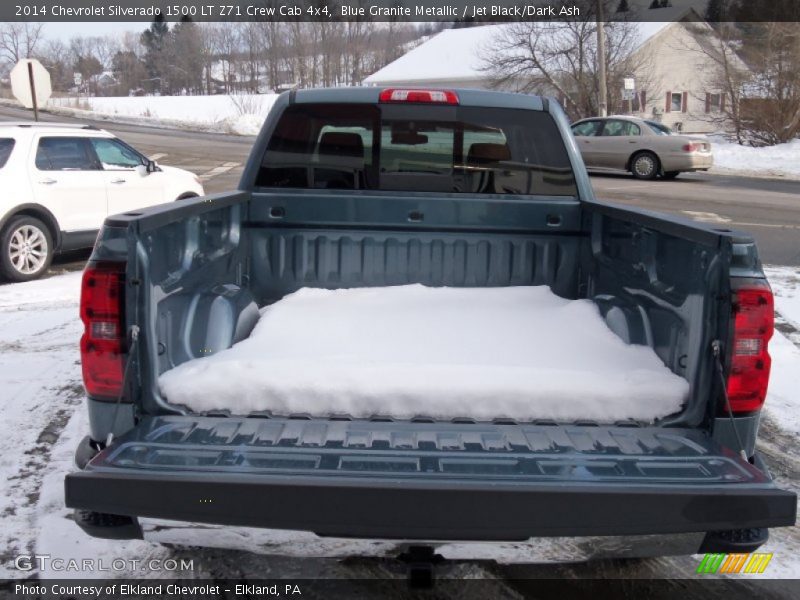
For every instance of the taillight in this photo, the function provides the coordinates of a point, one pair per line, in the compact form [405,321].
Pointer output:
[691,147]
[103,341]
[420,96]
[753,325]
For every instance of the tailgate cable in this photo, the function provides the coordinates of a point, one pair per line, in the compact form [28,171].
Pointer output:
[716,348]
[133,333]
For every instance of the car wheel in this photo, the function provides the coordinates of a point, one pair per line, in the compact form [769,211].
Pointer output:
[27,248]
[671,174]
[644,165]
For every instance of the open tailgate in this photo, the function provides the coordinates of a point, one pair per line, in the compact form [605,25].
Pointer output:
[446,481]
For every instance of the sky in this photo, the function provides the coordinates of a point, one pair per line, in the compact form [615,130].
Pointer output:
[65,31]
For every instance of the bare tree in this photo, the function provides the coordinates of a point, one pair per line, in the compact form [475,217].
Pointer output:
[756,77]
[54,55]
[727,79]
[771,101]
[560,58]
[104,48]
[358,35]
[224,39]
[273,49]
[19,40]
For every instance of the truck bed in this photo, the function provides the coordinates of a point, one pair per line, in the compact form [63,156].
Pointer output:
[404,351]
[655,282]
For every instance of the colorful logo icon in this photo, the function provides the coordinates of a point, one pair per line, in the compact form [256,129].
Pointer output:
[734,563]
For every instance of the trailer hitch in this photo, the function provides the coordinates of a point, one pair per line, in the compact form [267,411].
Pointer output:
[421,562]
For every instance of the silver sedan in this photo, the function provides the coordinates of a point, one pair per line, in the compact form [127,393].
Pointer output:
[645,148]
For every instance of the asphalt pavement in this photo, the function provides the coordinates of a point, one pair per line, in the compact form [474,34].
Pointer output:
[768,209]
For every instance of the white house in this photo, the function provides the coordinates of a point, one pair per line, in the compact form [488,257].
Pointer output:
[680,89]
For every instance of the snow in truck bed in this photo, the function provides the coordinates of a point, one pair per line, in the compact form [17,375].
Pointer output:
[482,353]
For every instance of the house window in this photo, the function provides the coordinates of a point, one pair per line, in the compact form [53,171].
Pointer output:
[713,103]
[676,102]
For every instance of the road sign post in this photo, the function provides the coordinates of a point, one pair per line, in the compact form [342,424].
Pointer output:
[30,83]
[33,92]
[629,92]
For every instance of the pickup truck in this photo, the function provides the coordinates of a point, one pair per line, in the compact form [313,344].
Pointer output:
[363,187]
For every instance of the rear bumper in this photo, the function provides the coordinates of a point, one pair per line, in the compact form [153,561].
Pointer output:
[687,162]
[346,507]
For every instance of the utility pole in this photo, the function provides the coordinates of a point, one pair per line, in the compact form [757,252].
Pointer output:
[601,59]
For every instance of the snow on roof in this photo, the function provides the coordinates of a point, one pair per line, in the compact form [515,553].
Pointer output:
[455,54]
[450,54]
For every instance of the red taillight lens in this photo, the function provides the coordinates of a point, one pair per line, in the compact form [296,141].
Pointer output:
[102,344]
[690,147]
[753,325]
[420,96]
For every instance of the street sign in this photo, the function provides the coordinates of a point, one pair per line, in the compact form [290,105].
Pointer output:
[30,84]
[629,83]
[628,94]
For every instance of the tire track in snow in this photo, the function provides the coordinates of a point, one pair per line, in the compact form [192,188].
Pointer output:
[39,332]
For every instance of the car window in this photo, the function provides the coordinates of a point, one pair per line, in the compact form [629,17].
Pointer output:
[585,129]
[658,128]
[614,127]
[6,146]
[115,155]
[65,154]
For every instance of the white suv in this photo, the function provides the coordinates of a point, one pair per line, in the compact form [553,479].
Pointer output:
[60,182]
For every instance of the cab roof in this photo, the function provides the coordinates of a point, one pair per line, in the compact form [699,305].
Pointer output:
[371,95]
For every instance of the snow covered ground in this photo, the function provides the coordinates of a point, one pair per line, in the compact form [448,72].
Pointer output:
[241,114]
[44,418]
[782,160]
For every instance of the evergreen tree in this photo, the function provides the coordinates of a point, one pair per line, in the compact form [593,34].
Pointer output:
[155,41]
[128,71]
[184,49]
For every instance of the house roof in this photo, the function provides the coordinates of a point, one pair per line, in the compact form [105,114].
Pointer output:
[456,54]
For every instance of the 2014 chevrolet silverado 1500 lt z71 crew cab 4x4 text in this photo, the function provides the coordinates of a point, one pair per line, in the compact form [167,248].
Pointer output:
[430,195]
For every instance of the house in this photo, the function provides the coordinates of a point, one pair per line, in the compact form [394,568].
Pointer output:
[105,80]
[677,85]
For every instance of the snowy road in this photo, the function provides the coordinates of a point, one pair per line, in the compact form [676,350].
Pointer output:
[767,208]
[44,419]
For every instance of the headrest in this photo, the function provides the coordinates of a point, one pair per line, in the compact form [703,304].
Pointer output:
[338,143]
[482,154]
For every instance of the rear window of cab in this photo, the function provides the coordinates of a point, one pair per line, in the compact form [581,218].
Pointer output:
[453,149]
